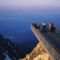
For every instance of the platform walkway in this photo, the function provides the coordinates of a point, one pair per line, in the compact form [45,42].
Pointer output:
[50,41]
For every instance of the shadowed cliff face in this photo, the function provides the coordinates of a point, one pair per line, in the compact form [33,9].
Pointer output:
[11,49]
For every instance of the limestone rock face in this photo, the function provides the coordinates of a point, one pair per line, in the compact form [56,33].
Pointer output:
[38,53]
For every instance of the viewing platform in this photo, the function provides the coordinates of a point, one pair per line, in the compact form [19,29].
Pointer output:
[50,41]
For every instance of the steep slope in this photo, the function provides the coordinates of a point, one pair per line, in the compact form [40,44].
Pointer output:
[38,53]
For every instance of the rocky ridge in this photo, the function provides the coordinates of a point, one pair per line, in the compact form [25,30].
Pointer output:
[38,53]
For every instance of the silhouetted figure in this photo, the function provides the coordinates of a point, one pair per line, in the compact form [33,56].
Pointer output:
[44,26]
[52,27]
[35,25]
[39,27]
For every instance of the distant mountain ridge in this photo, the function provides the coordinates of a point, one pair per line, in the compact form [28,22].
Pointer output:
[11,49]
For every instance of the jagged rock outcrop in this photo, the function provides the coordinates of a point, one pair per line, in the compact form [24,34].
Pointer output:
[15,53]
[38,53]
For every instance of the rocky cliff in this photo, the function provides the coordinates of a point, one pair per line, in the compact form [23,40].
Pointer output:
[38,53]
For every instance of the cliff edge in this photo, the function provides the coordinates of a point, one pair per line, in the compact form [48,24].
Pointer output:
[38,53]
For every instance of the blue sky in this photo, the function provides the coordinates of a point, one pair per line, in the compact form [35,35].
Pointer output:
[18,4]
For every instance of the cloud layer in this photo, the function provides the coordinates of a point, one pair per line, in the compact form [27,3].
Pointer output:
[29,3]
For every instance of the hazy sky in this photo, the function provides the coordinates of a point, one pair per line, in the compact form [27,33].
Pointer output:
[29,4]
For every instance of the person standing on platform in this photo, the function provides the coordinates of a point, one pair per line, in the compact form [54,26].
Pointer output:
[44,26]
[52,27]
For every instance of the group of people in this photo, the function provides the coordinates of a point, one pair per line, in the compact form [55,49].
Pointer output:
[45,27]
[51,27]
